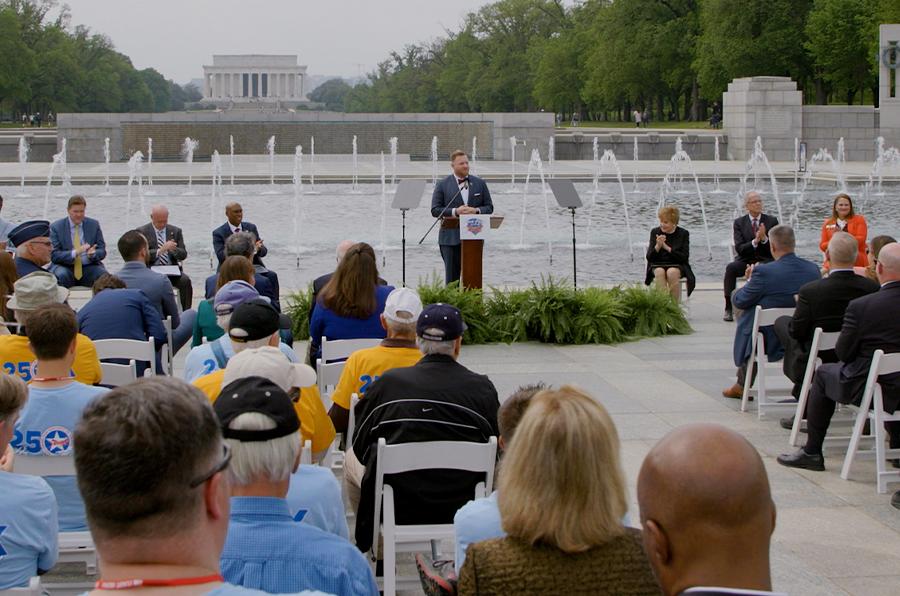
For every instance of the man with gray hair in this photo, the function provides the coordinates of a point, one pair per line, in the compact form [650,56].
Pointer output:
[770,285]
[167,248]
[242,244]
[751,244]
[265,548]
[438,399]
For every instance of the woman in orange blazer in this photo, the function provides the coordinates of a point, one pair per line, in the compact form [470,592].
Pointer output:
[843,219]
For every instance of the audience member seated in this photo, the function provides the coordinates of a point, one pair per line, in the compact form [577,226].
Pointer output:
[438,399]
[157,502]
[235,224]
[397,350]
[116,312]
[8,277]
[55,403]
[322,280]
[166,247]
[821,303]
[705,504]
[212,356]
[844,219]
[265,548]
[156,286]
[874,247]
[241,245]
[314,497]
[751,243]
[770,285]
[6,227]
[32,292]
[33,246]
[234,268]
[561,497]
[870,323]
[668,255]
[351,303]
[29,513]
[78,247]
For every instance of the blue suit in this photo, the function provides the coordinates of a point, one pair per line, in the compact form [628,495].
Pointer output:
[221,234]
[24,267]
[447,197]
[772,285]
[63,258]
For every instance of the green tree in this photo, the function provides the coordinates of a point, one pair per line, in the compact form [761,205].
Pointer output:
[331,93]
[160,89]
[16,58]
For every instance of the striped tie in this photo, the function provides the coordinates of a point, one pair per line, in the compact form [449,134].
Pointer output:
[161,257]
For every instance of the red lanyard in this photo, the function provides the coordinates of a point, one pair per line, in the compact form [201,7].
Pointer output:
[51,379]
[127,584]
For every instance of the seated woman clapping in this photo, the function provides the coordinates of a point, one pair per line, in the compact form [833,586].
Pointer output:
[668,254]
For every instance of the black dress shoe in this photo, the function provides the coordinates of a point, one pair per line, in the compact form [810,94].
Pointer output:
[801,459]
[788,424]
[895,500]
[729,316]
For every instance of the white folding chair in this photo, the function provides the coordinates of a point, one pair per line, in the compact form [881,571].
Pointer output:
[74,547]
[306,453]
[821,342]
[177,299]
[169,360]
[116,375]
[128,349]
[871,408]
[330,364]
[408,457]
[764,384]
[33,589]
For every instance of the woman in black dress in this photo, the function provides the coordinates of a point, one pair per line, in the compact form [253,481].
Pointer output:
[668,254]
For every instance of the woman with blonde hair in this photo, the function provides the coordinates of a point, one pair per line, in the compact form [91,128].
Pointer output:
[561,499]
[669,253]
[845,219]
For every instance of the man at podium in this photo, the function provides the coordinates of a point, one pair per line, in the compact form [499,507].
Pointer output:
[458,194]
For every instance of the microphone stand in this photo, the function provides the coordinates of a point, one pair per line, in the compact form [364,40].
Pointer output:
[444,210]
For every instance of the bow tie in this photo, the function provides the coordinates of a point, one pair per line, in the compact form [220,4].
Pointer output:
[461,180]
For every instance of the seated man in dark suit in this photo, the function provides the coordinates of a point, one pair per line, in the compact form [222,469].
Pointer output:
[751,244]
[242,244]
[78,247]
[167,247]
[234,213]
[870,323]
[33,246]
[770,285]
[821,303]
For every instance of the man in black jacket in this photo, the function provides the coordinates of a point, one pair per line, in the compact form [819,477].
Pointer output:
[438,399]
[751,243]
[821,303]
[870,323]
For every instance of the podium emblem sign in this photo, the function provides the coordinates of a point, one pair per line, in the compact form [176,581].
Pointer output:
[474,227]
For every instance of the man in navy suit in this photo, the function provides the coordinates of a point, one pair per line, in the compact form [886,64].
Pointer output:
[78,247]
[458,194]
[234,213]
[770,285]
[751,243]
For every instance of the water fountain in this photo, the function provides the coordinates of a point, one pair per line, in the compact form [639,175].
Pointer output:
[551,155]
[215,163]
[609,158]
[474,156]
[841,160]
[297,180]
[513,189]
[312,169]
[679,165]
[23,165]
[757,159]
[884,158]
[382,247]
[231,191]
[535,163]
[64,171]
[718,190]
[595,188]
[270,151]
[135,165]
[187,150]
[434,158]
[636,158]
[355,190]
[57,160]
[106,192]
[796,191]
[822,156]
[149,175]
[393,142]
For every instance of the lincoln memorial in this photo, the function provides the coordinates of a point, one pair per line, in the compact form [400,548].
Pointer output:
[254,78]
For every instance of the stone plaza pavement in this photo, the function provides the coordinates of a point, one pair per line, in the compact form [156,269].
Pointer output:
[832,536]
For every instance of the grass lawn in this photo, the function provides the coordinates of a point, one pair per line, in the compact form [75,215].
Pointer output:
[19,125]
[677,125]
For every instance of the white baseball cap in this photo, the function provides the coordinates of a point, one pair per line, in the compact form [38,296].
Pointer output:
[271,363]
[402,301]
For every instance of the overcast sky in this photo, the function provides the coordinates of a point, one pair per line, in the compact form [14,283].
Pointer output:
[331,37]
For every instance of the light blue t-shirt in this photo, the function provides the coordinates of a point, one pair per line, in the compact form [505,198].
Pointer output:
[201,361]
[28,529]
[480,520]
[45,428]
[314,498]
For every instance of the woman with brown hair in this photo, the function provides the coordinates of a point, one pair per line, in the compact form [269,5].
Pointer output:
[561,497]
[351,303]
[8,277]
[875,246]
[234,268]
[844,219]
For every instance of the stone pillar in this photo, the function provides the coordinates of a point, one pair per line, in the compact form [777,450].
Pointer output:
[767,107]
[206,89]
[889,83]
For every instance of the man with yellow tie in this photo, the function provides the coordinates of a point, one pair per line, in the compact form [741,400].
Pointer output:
[78,247]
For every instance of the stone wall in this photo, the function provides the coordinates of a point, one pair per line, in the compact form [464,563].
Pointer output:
[333,132]
[41,146]
[767,107]
[651,145]
[823,126]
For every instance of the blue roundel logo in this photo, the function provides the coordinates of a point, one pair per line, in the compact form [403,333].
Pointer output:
[56,440]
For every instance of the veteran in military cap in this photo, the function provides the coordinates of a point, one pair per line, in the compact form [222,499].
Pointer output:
[33,246]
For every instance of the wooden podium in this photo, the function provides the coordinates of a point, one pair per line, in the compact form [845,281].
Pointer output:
[471,253]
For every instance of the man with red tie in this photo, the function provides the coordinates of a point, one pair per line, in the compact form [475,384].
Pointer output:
[751,244]
[458,194]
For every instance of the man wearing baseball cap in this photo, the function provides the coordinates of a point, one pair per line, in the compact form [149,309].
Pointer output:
[265,548]
[33,246]
[437,399]
[398,350]
[256,326]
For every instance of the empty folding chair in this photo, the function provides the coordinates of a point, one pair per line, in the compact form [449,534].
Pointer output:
[128,349]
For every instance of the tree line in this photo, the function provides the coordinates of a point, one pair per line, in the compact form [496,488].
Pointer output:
[603,58]
[46,66]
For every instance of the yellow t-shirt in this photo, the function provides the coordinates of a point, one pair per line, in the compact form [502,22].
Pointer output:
[363,367]
[315,425]
[16,358]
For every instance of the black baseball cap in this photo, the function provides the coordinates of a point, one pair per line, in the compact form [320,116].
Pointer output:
[260,395]
[440,322]
[255,319]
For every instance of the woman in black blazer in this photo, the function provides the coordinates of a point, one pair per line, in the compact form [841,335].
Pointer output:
[668,254]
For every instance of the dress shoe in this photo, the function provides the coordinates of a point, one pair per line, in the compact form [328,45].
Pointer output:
[801,459]
[735,392]
[788,424]
[729,316]
[895,500]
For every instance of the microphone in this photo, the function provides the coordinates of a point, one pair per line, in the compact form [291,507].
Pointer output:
[440,216]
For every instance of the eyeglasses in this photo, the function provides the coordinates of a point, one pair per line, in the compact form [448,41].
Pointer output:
[222,465]
[41,242]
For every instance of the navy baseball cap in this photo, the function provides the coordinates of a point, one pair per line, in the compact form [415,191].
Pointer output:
[259,395]
[440,322]
[29,230]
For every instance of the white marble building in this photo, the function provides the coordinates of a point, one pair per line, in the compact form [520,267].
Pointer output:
[254,78]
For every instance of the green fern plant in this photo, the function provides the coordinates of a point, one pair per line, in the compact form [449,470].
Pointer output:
[651,312]
[298,308]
